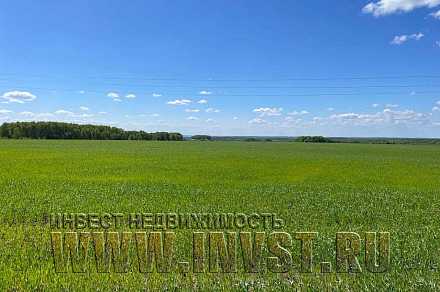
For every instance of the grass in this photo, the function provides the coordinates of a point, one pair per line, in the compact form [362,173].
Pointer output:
[314,187]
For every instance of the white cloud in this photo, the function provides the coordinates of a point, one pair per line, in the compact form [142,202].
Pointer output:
[192,110]
[205,92]
[209,120]
[130,96]
[387,116]
[317,120]
[44,115]
[18,96]
[235,118]
[28,114]
[436,109]
[63,112]
[192,118]
[267,111]
[179,102]
[436,14]
[385,7]
[157,95]
[400,39]
[300,113]
[390,105]
[438,102]
[155,115]
[113,95]
[84,115]
[81,92]
[4,111]
[257,121]
[212,110]
[375,105]
[102,113]
[330,109]
[417,36]
[203,101]
[292,120]
[84,108]
[345,116]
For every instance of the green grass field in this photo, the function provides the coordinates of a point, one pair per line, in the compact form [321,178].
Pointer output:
[314,187]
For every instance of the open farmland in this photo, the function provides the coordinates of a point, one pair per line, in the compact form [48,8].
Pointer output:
[325,188]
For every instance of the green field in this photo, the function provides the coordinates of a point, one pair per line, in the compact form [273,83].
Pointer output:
[314,187]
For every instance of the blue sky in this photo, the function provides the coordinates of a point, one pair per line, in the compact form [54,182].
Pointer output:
[333,68]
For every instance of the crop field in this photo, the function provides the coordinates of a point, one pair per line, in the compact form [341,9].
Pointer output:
[324,188]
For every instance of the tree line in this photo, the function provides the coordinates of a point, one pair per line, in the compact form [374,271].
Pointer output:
[201,137]
[314,139]
[58,130]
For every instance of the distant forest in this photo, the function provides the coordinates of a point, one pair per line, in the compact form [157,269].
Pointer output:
[56,130]
[321,139]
